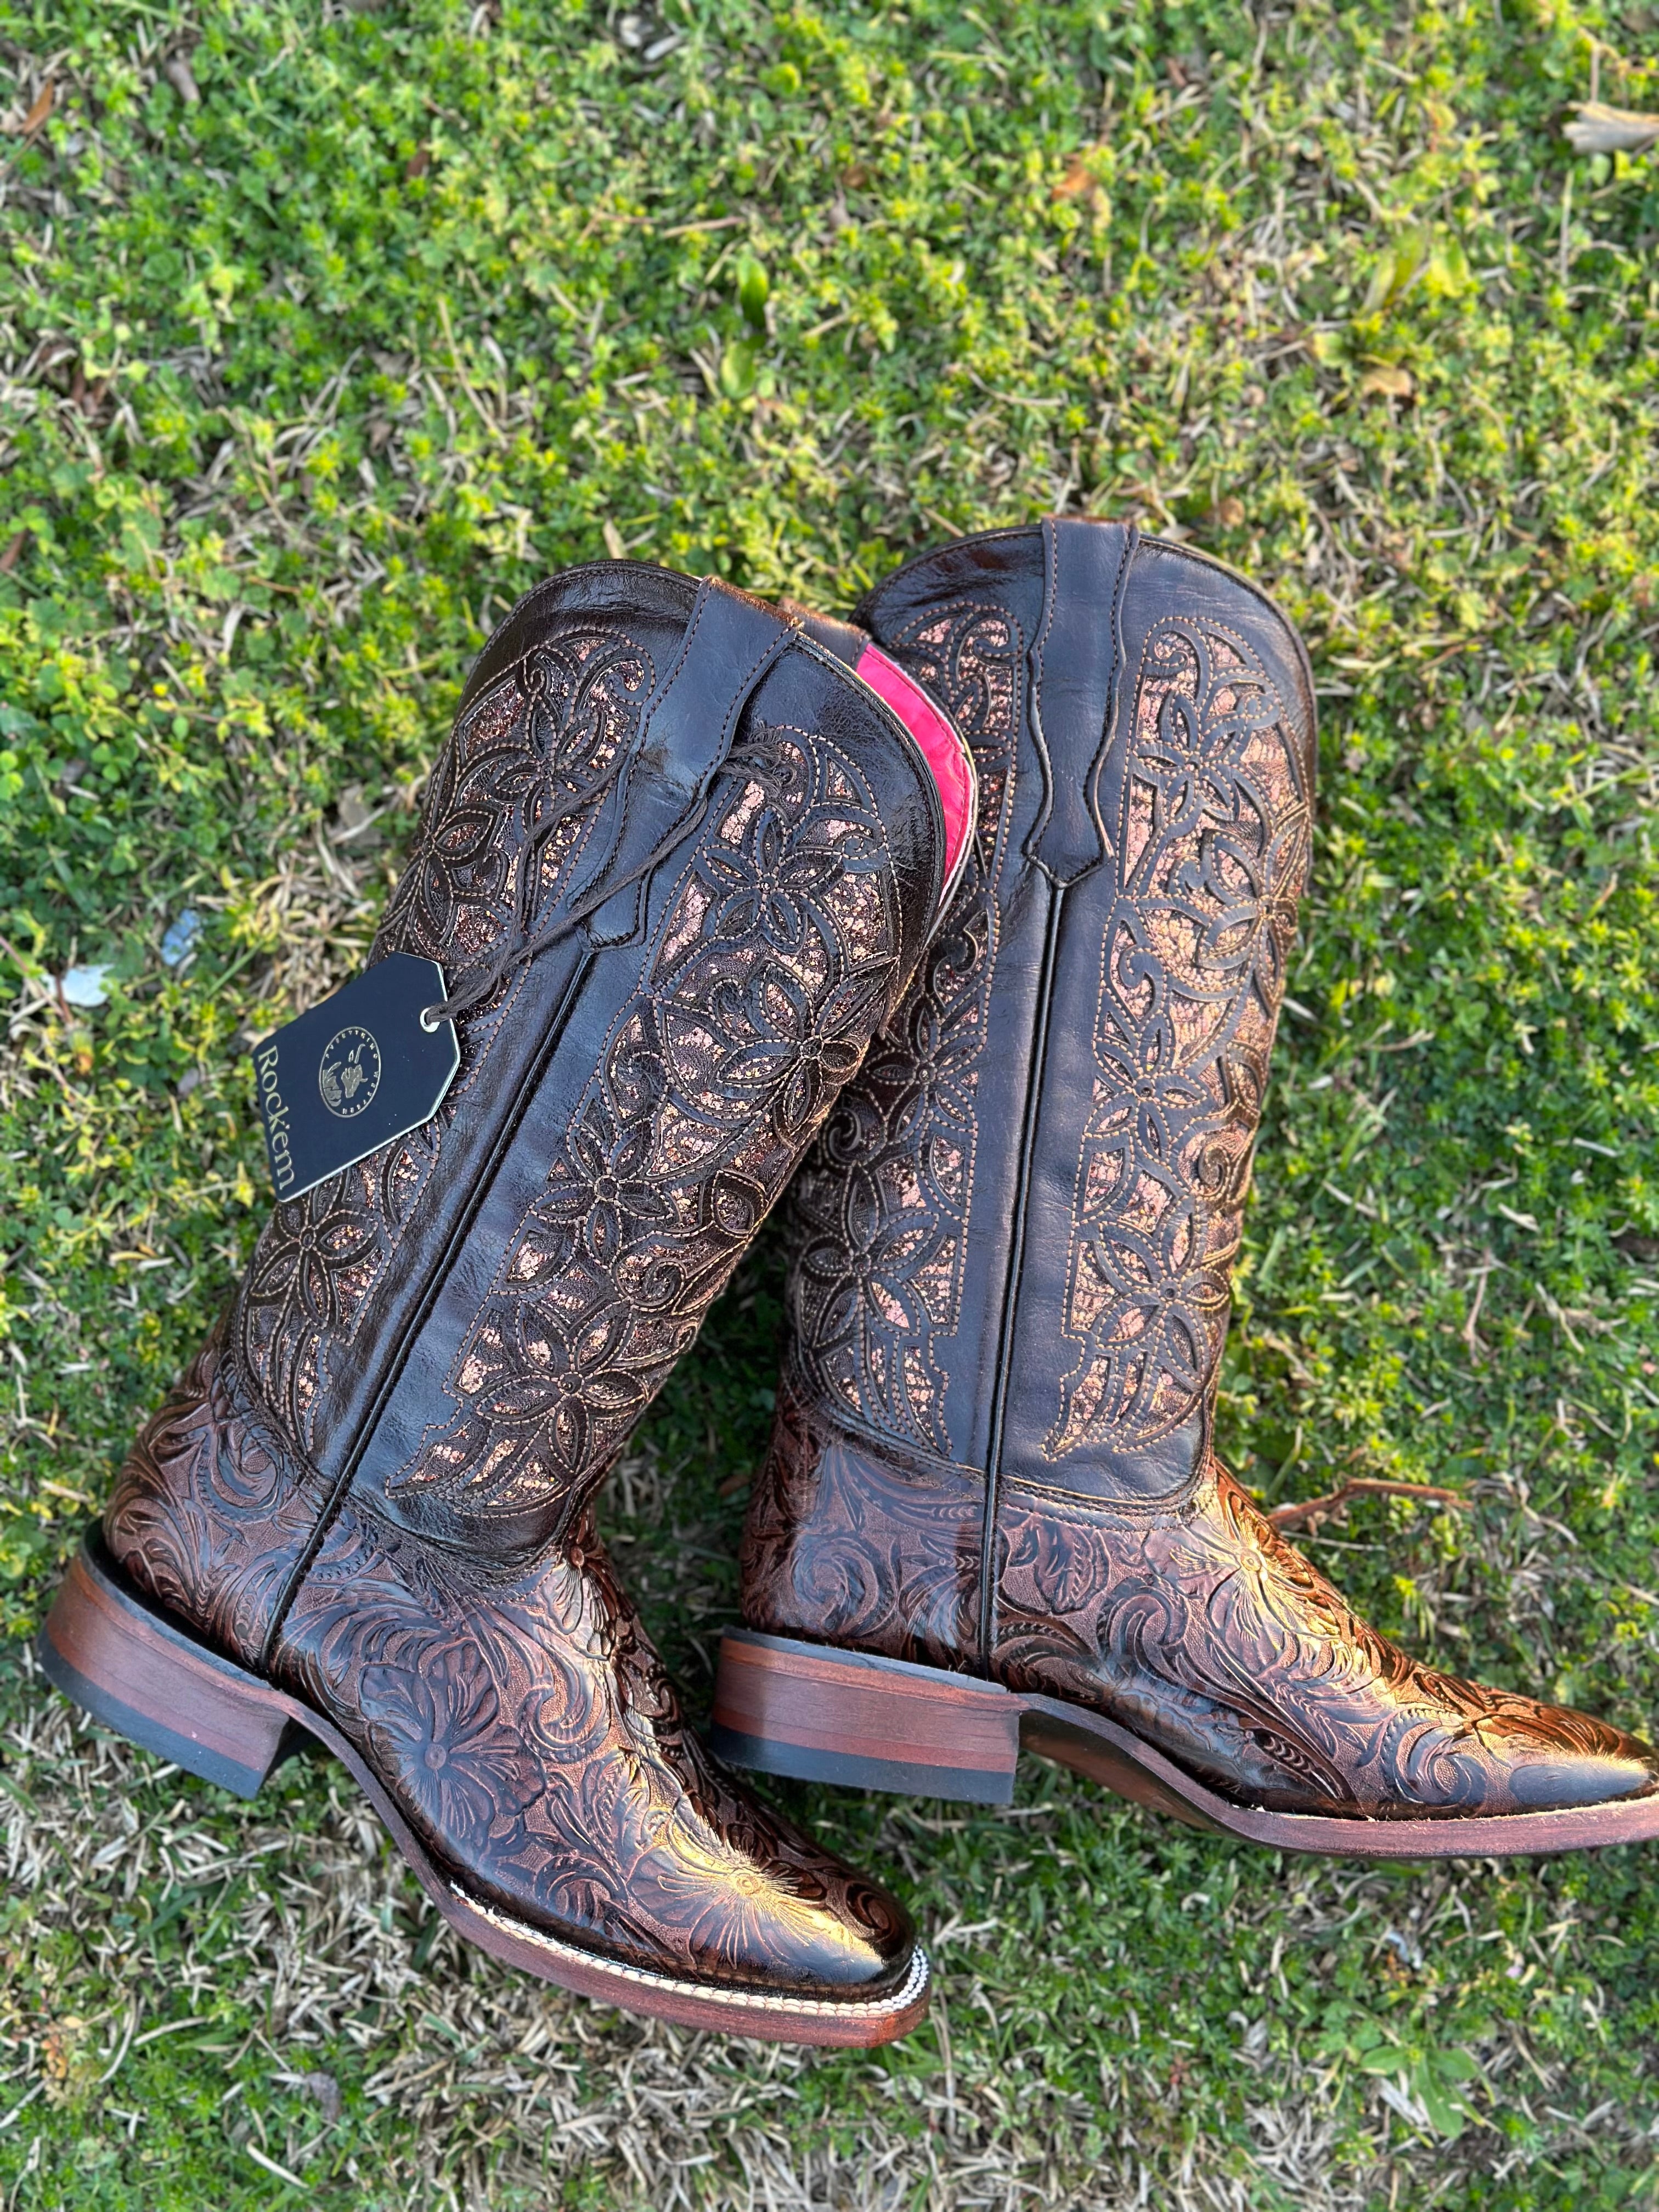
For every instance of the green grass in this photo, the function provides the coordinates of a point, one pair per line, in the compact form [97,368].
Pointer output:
[300,383]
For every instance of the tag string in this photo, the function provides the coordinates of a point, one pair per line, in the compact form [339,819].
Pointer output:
[484,980]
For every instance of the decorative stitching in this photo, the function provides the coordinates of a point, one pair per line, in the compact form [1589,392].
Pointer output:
[1129,538]
[525,1728]
[881,1210]
[1213,837]
[516,789]
[819,2007]
[771,969]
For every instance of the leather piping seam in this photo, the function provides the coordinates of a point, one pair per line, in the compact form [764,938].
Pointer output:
[1109,722]
[1002,758]
[397,1365]
[1113,685]
[989,1565]
[952,882]
[1039,735]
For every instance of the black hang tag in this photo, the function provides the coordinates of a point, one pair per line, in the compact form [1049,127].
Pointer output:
[353,1073]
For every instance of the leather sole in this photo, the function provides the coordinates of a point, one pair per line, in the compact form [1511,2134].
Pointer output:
[817,1713]
[124,1662]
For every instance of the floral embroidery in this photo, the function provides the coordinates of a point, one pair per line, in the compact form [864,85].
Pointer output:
[1213,839]
[512,799]
[771,970]
[882,1207]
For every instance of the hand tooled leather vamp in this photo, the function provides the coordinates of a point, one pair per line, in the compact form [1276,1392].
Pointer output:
[857,1546]
[211,1510]
[525,1727]
[1198,1626]
[1213,1638]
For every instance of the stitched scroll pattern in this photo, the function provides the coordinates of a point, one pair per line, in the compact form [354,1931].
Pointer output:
[511,802]
[882,1207]
[1212,850]
[769,975]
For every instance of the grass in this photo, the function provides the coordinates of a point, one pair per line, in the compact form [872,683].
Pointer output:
[326,329]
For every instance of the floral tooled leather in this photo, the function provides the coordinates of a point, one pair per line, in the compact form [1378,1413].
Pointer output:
[509,809]
[772,966]
[527,1732]
[1213,846]
[1068,1532]
[498,1686]
[878,1552]
[209,1512]
[1213,1638]
[880,1209]
[1200,1629]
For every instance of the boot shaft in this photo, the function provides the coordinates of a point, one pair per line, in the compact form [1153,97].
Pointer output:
[461,1331]
[1015,1239]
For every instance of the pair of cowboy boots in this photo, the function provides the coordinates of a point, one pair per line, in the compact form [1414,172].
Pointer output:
[985,905]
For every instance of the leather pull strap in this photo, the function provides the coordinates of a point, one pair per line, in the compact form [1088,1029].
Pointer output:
[730,642]
[845,640]
[1074,670]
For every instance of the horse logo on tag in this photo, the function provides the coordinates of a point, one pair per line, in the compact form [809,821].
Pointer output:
[349,1074]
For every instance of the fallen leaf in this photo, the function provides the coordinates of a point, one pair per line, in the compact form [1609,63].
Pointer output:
[178,75]
[1387,382]
[37,115]
[1080,180]
[1600,129]
[1228,514]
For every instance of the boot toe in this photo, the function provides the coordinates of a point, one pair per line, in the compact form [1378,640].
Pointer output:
[1569,1775]
[1511,1755]
[855,1947]
[780,1915]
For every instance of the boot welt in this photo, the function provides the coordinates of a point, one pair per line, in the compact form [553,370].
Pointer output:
[122,1660]
[817,1713]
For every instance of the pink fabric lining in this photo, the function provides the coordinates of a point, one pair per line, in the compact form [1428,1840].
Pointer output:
[942,748]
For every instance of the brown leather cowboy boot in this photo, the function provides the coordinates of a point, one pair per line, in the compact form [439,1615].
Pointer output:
[993,1514]
[680,866]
